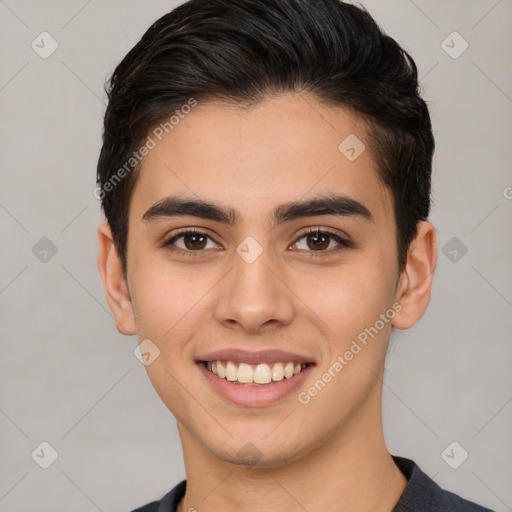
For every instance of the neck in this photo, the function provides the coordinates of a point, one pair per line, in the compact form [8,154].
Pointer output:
[351,471]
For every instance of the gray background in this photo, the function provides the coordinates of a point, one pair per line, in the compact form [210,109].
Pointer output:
[68,377]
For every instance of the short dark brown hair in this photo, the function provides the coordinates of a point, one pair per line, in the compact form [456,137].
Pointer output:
[245,50]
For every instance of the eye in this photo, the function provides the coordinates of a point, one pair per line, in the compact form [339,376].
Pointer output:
[324,242]
[193,241]
[319,241]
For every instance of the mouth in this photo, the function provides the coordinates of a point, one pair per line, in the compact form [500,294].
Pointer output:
[254,379]
[245,374]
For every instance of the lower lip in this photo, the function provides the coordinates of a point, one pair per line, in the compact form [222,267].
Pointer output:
[255,396]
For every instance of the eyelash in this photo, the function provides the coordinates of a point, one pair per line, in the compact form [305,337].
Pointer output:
[343,243]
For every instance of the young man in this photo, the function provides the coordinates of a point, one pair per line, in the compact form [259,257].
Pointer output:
[265,175]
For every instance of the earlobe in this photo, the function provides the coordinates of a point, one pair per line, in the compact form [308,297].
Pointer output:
[415,285]
[116,289]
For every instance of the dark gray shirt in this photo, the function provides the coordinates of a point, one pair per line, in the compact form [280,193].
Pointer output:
[421,494]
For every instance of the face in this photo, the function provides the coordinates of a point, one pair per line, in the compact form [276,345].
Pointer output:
[256,250]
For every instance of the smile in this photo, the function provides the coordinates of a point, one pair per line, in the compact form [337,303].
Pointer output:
[258,378]
[254,374]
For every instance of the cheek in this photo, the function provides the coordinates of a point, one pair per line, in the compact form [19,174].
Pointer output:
[350,298]
[168,300]
[356,345]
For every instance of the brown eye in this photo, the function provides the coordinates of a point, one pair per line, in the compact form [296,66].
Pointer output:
[194,241]
[318,241]
[190,241]
[321,241]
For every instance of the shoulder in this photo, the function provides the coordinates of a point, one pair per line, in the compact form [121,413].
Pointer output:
[168,503]
[422,494]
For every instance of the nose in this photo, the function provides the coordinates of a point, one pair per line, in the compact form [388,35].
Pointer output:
[254,296]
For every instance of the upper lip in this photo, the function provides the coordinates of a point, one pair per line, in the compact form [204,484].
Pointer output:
[254,357]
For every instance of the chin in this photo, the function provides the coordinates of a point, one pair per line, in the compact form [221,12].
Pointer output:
[260,453]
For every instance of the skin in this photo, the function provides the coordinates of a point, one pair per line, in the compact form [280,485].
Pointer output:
[283,149]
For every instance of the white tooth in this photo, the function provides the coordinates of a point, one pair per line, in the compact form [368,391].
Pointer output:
[244,374]
[213,367]
[221,371]
[288,370]
[277,372]
[231,371]
[297,369]
[262,374]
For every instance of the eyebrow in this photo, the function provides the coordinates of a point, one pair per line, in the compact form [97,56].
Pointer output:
[326,205]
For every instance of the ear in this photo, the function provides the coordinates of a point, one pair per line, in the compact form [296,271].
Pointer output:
[415,285]
[116,289]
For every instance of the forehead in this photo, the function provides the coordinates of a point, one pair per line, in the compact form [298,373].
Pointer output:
[283,149]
